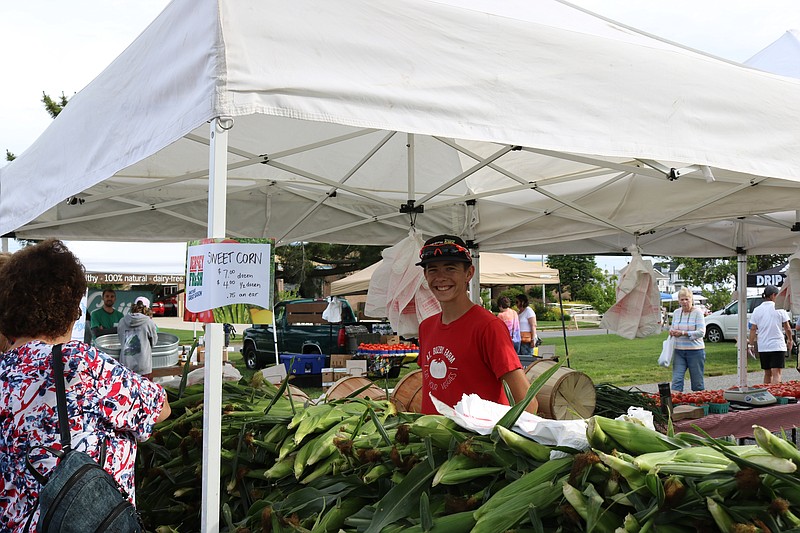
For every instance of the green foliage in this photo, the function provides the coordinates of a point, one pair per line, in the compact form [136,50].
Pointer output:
[577,273]
[718,298]
[718,271]
[10,156]
[290,294]
[54,107]
[306,263]
[602,294]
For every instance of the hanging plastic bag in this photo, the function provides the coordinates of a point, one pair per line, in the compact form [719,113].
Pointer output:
[667,348]
[637,312]
[398,291]
[333,313]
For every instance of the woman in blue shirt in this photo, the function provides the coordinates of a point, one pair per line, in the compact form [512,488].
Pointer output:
[688,328]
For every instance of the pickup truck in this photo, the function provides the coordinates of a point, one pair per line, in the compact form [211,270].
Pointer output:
[300,329]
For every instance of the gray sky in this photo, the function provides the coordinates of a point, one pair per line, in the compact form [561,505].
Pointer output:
[55,47]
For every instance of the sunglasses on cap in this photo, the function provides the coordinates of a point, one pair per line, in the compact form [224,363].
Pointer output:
[447,249]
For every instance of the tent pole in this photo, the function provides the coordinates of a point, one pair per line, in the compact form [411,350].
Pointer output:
[741,285]
[212,374]
[563,324]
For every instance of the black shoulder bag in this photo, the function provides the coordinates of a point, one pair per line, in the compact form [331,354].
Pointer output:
[80,496]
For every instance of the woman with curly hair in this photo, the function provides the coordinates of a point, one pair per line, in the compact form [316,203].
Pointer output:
[41,287]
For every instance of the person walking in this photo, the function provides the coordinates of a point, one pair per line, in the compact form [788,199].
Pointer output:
[689,329]
[511,319]
[109,407]
[770,327]
[464,349]
[527,325]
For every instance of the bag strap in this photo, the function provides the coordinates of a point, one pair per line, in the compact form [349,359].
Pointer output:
[61,398]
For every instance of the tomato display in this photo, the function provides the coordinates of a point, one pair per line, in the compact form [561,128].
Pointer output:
[789,389]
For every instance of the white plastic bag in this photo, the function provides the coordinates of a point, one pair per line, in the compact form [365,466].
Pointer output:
[637,312]
[333,313]
[667,347]
[397,289]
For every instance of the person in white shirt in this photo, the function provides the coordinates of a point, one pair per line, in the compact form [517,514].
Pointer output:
[771,328]
[527,325]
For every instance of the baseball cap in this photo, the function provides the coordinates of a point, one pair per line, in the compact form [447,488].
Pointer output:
[769,290]
[444,248]
[142,300]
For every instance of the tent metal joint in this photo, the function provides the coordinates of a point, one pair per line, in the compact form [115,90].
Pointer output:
[409,207]
[264,158]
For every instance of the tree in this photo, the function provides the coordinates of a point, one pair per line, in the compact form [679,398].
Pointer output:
[54,107]
[306,263]
[722,270]
[577,273]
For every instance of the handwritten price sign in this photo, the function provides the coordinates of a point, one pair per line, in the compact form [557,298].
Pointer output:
[225,273]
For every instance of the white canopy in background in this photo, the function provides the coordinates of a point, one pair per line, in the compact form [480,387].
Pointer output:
[495,269]
[781,57]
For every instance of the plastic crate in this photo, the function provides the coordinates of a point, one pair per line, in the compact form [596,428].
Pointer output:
[300,364]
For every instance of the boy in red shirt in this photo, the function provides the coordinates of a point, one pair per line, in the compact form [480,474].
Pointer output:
[464,349]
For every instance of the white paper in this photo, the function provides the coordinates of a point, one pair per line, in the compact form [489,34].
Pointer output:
[220,274]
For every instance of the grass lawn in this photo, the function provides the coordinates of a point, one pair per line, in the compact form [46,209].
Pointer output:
[604,358]
[612,359]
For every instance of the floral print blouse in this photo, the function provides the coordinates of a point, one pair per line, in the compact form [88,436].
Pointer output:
[105,402]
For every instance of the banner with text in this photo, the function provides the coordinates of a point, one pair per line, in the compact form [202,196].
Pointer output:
[229,281]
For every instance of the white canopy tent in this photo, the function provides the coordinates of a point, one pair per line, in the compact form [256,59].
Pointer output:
[522,126]
[495,269]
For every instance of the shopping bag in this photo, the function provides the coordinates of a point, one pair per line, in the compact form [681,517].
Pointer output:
[667,347]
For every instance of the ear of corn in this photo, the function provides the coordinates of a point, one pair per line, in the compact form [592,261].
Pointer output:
[523,445]
[776,445]
[636,438]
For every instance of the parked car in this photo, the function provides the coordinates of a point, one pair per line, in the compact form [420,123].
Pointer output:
[724,324]
[167,306]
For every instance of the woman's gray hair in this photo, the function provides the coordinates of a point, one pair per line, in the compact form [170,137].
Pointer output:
[686,292]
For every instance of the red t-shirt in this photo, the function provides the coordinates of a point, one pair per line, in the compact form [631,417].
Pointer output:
[466,356]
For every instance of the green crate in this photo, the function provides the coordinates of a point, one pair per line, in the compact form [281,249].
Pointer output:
[719,408]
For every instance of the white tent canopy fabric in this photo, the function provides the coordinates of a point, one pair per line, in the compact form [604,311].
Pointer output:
[495,269]
[500,105]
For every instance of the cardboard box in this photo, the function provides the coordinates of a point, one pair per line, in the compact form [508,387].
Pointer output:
[390,339]
[331,376]
[200,356]
[340,360]
[356,368]
[274,374]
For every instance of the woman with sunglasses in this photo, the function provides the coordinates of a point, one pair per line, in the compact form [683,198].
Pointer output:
[465,349]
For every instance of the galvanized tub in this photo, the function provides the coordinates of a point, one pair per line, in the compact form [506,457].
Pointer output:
[165,352]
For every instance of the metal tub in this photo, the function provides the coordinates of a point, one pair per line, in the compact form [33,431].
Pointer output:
[165,352]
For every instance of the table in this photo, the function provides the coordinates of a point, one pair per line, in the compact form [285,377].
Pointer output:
[740,423]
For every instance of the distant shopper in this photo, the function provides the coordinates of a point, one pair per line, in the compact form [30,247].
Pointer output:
[138,336]
[527,325]
[688,328]
[511,319]
[108,406]
[769,325]
[106,319]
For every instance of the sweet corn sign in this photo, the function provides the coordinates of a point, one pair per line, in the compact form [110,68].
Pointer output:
[228,280]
